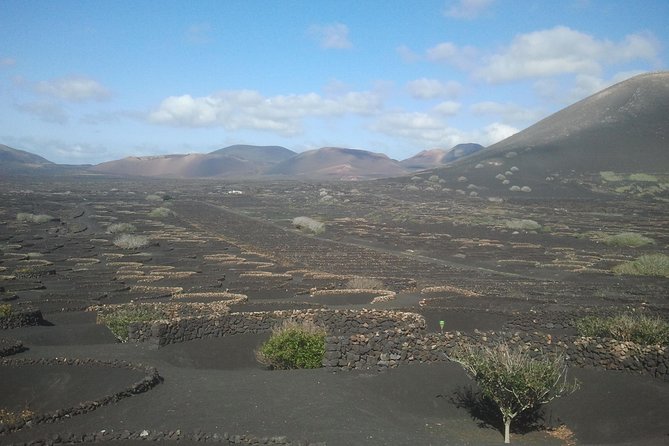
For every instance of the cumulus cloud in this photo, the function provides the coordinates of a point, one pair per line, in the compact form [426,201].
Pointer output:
[420,129]
[447,108]
[432,88]
[248,109]
[562,50]
[467,9]
[496,132]
[463,57]
[74,89]
[332,36]
[508,111]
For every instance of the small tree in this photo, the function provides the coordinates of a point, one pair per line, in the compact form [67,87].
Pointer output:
[512,379]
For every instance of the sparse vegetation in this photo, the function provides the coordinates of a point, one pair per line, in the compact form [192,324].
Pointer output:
[646,265]
[131,241]
[160,212]
[365,283]
[611,177]
[627,239]
[636,327]
[32,218]
[309,224]
[643,177]
[154,197]
[118,228]
[118,319]
[294,345]
[512,379]
[9,417]
[5,310]
[522,225]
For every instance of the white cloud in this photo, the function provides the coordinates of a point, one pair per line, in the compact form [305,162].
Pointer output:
[74,88]
[432,88]
[407,54]
[467,9]
[447,108]
[508,111]
[421,130]
[496,132]
[562,50]
[7,62]
[333,36]
[248,109]
[448,52]
[580,87]
[45,111]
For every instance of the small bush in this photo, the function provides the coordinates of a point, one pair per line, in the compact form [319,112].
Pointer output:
[32,218]
[5,310]
[118,228]
[627,239]
[118,319]
[514,380]
[365,283]
[643,177]
[309,224]
[160,212]
[638,327]
[647,265]
[10,417]
[522,225]
[154,197]
[130,241]
[611,177]
[294,345]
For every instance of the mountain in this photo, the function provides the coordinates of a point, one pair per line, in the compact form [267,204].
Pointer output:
[230,162]
[338,163]
[428,159]
[9,155]
[256,154]
[624,128]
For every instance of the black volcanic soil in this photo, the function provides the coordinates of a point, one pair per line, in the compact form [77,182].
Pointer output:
[216,242]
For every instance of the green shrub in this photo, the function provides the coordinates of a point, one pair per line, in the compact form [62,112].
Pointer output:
[611,177]
[365,283]
[32,218]
[154,197]
[5,310]
[643,177]
[294,345]
[309,224]
[160,212]
[637,327]
[118,319]
[118,228]
[131,241]
[522,225]
[512,379]
[627,239]
[647,265]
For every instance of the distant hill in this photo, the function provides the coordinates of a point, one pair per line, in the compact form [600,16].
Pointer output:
[428,159]
[262,154]
[230,162]
[9,155]
[624,128]
[338,163]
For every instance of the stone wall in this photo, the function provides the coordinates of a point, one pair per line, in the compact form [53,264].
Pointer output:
[21,318]
[378,339]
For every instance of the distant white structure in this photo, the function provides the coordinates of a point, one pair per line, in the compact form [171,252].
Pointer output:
[235,192]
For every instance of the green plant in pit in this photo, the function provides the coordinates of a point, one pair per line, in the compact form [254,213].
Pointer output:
[160,212]
[32,218]
[627,239]
[294,345]
[643,177]
[646,265]
[131,241]
[610,176]
[118,228]
[513,380]
[309,224]
[365,283]
[118,319]
[522,225]
[5,310]
[639,328]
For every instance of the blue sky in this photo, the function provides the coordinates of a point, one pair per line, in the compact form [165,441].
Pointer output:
[91,81]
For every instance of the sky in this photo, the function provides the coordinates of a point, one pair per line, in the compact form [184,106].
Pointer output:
[92,81]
